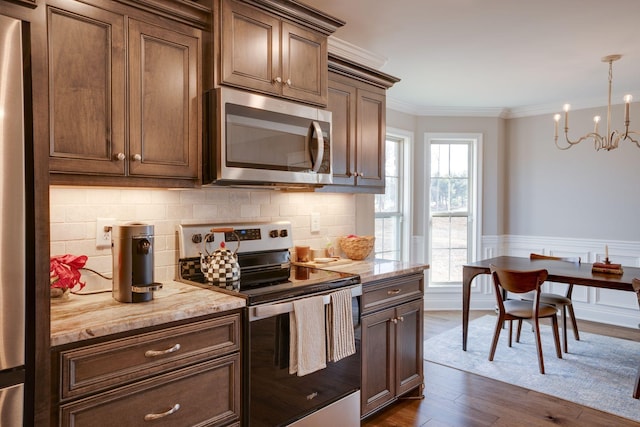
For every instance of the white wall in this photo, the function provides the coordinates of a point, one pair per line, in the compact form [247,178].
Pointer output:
[74,211]
[574,193]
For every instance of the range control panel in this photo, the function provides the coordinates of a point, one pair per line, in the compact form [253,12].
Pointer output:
[254,237]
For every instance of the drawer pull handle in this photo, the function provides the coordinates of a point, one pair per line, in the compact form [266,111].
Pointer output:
[393,292]
[173,410]
[156,353]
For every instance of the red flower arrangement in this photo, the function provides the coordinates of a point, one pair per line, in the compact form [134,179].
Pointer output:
[64,271]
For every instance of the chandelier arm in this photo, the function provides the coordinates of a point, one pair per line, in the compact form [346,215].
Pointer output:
[596,137]
[626,136]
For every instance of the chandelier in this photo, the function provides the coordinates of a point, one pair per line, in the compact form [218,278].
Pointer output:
[608,141]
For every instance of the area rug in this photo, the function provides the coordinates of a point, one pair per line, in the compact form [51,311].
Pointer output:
[598,372]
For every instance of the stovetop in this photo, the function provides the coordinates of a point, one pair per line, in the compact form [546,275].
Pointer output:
[309,281]
[267,274]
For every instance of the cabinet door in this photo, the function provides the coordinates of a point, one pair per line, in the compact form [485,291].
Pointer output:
[304,65]
[371,139]
[164,101]
[409,350]
[378,360]
[342,104]
[250,48]
[86,89]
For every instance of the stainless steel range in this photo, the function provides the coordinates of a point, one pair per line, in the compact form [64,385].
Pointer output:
[270,283]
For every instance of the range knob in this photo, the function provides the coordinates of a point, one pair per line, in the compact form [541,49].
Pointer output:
[196,238]
[284,233]
[273,234]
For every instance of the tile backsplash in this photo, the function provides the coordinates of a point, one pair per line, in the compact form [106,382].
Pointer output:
[74,210]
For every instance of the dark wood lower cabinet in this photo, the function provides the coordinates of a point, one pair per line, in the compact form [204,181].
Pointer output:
[198,395]
[184,374]
[392,337]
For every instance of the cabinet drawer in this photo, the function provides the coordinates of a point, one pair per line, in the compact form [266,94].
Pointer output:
[96,367]
[389,292]
[206,394]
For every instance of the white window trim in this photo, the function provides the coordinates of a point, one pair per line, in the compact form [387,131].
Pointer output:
[477,195]
[407,138]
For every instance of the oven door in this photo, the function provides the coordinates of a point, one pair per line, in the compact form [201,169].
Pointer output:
[278,398]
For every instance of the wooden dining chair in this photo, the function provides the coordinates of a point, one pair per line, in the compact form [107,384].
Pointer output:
[562,302]
[521,282]
[636,287]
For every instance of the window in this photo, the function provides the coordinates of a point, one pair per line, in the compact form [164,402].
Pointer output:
[452,206]
[391,208]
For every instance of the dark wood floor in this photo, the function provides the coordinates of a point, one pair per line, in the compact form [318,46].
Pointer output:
[460,399]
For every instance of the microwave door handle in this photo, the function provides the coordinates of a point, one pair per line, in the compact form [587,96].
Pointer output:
[320,141]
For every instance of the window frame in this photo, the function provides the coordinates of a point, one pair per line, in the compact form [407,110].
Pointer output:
[475,198]
[405,138]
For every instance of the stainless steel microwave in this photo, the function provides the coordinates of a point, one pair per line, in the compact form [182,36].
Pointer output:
[253,139]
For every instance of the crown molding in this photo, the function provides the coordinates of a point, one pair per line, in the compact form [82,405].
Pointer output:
[421,110]
[356,54]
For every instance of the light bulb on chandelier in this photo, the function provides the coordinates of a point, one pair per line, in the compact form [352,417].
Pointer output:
[611,139]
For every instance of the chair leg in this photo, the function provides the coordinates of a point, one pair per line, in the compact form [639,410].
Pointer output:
[536,328]
[496,336]
[556,336]
[510,330]
[573,322]
[636,392]
[564,329]
[519,330]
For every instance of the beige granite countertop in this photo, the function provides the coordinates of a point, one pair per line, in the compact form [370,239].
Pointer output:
[372,269]
[89,316]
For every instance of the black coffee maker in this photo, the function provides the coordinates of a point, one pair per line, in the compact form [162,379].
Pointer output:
[132,249]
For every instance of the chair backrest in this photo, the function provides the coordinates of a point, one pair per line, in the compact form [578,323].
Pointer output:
[517,281]
[556,258]
[636,287]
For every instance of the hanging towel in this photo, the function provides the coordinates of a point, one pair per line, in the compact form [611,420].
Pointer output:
[340,336]
[307,350]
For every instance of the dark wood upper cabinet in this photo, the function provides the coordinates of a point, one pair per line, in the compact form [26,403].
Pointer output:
[163,99]
[342,103]
[263,49]
[86,89]
[357,101]
[124,96]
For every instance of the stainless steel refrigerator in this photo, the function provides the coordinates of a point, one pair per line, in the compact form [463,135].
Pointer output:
[12,224]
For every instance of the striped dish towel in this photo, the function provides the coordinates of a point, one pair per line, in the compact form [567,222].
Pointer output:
[340,337]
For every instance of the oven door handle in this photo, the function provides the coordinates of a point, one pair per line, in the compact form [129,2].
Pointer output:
[270,310]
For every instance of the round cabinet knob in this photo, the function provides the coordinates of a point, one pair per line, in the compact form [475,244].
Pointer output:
[277,80]
[136,157]
[289,82]
[120,156]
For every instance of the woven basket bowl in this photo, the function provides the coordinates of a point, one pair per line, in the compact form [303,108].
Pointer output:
[357,248]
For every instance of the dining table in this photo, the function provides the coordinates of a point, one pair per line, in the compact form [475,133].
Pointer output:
[558,271]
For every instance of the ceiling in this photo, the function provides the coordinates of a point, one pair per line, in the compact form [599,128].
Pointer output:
[504,58]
